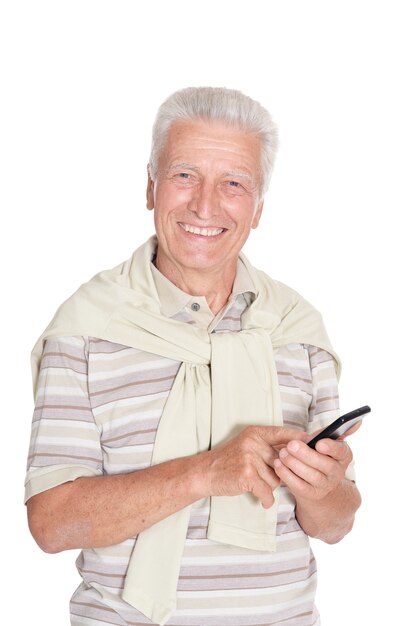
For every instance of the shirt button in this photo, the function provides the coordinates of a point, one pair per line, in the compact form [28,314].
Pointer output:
[195,306]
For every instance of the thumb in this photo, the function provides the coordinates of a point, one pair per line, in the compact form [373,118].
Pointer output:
[279,435]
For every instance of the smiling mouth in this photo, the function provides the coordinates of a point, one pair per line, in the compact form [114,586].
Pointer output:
[205,232]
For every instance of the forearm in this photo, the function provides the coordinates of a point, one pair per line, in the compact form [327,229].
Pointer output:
[332,517]
[105,510]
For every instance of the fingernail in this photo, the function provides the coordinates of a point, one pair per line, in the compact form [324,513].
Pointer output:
[323,447]
[293,446]
[283,453]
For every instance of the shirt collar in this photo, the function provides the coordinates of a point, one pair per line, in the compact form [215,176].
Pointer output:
[173,299]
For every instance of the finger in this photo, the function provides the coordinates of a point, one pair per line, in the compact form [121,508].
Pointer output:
[338,450]
[306,472]
[257,439]
[268,475]
[264,493]
[303,453]
[256,450]
[258,478]
[297,486]
[326,453]
[278,435]
[267,453]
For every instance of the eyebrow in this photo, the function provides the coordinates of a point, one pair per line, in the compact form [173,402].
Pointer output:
[232,173]
[239,174]
[186,166]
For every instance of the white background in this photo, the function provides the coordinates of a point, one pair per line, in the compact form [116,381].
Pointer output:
[81,82]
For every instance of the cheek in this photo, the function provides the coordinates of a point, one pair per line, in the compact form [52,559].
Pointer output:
[170,195]
[169,199]
[244,214]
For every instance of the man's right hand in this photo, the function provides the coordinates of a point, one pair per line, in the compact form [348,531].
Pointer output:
[245,463]
[99,511]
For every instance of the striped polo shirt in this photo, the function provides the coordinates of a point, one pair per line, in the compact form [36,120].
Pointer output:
[97,411]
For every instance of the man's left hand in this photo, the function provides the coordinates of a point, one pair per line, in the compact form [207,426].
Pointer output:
[313,474]
[325,501]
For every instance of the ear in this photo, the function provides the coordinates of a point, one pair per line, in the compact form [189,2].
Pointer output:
[257,215]
[150,202]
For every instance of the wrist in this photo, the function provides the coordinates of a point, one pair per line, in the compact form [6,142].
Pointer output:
[198,476]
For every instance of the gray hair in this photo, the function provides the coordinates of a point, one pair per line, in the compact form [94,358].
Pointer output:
[217,103]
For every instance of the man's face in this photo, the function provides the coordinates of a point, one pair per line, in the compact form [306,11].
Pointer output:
[205,196]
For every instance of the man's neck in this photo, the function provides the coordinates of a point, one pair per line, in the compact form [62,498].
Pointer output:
[216,287]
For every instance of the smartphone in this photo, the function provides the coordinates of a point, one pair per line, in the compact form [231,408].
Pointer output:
[340,426]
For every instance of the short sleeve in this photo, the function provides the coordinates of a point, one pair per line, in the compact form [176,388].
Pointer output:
[324,407]
[65,440]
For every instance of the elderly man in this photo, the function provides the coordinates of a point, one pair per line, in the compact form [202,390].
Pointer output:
[173,398]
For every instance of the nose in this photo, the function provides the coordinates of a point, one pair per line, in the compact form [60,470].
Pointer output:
[205,202]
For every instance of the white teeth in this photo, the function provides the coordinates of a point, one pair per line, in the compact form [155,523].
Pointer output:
[206,232]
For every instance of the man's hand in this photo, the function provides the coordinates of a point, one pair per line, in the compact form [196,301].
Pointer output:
[325,501]
[246,463]
[313,474]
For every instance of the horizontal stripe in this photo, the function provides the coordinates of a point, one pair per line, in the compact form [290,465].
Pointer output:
[99,405]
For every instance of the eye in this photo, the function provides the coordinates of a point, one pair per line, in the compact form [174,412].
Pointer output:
[184,179]
[233,188]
